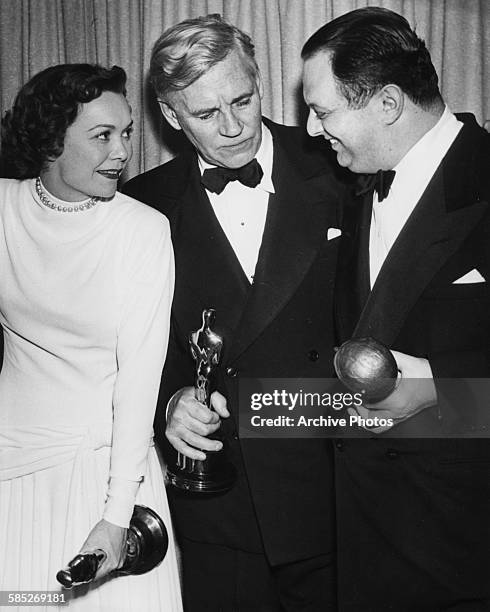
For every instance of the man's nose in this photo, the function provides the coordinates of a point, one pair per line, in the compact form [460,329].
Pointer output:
[230,125]
[314,126]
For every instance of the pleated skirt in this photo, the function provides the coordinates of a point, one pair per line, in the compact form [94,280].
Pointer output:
[45,517]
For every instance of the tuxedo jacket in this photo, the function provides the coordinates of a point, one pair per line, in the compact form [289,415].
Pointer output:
[281,326]
[413,513]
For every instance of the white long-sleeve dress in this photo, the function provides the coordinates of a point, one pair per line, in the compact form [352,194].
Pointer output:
[84,304]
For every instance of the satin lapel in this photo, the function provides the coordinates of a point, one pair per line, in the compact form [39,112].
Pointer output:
[208,273]
[352,283]
[433,233]
[297,220]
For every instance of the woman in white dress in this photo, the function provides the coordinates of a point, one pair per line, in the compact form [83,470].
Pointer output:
[86,282]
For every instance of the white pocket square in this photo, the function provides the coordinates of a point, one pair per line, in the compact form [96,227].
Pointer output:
[333,232]
[473,276]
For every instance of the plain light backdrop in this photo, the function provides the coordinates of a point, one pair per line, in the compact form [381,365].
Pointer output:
[35,34]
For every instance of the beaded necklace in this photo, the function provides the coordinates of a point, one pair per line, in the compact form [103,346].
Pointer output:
[47,202]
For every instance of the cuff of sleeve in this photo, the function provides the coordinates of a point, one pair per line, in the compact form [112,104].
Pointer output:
[119,505]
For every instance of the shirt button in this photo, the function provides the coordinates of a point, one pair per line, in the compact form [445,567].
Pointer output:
[339,445]
[313,355]
[231,372]
[391,453]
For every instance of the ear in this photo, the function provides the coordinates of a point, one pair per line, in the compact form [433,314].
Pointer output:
[169,114]
[260,85]
[392,101]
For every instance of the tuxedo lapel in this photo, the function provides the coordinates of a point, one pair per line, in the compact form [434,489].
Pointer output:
[205,253]
[447,212]
[297,220]
[352,282]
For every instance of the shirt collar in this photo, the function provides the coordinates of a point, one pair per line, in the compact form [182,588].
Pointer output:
[432,145]
[264,156]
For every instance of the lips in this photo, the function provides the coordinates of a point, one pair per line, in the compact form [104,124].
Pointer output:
[335,144]
[110,174]
[238,145]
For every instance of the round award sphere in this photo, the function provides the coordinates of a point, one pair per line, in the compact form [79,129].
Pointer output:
[365,365]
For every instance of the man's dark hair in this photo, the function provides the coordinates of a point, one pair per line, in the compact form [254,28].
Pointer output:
[372,47]
[33,130]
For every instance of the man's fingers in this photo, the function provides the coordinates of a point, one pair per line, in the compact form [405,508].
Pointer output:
[194,445]
[203,413]
[184,449]
[186,412]
[218,402]
[184,403]
[189,425]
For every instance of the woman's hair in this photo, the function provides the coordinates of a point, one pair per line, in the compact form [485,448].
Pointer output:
[184,52]
[33,130]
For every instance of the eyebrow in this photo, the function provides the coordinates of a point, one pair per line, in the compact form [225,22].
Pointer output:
[109,126]
[203,111]
[318,108]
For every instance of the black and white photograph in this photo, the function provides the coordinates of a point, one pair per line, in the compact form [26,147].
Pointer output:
[245,305]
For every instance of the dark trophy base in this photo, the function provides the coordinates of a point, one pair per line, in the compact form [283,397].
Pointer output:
[147,542]
[213,475]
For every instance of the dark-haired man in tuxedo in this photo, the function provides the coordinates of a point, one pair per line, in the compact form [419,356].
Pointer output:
[261,251]
[414,273]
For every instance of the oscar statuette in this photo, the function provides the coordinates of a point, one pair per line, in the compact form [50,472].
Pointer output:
[216,473]
[146,547]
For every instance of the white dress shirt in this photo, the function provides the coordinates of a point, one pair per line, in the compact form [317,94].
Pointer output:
[242,210]
[413,174]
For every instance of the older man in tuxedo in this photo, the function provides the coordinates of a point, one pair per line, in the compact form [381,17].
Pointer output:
[250,206]
[414,272]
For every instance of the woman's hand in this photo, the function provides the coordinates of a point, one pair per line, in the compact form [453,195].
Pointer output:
[112,540]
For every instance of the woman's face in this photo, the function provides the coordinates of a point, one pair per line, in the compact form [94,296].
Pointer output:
[97,146]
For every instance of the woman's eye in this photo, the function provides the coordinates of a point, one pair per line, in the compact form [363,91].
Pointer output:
[128,133]
[103,136]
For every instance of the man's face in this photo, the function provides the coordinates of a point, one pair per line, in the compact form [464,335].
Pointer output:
[220,113]
[354,134]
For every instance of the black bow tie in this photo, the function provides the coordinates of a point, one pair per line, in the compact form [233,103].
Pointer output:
[379,182]
[216,179]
